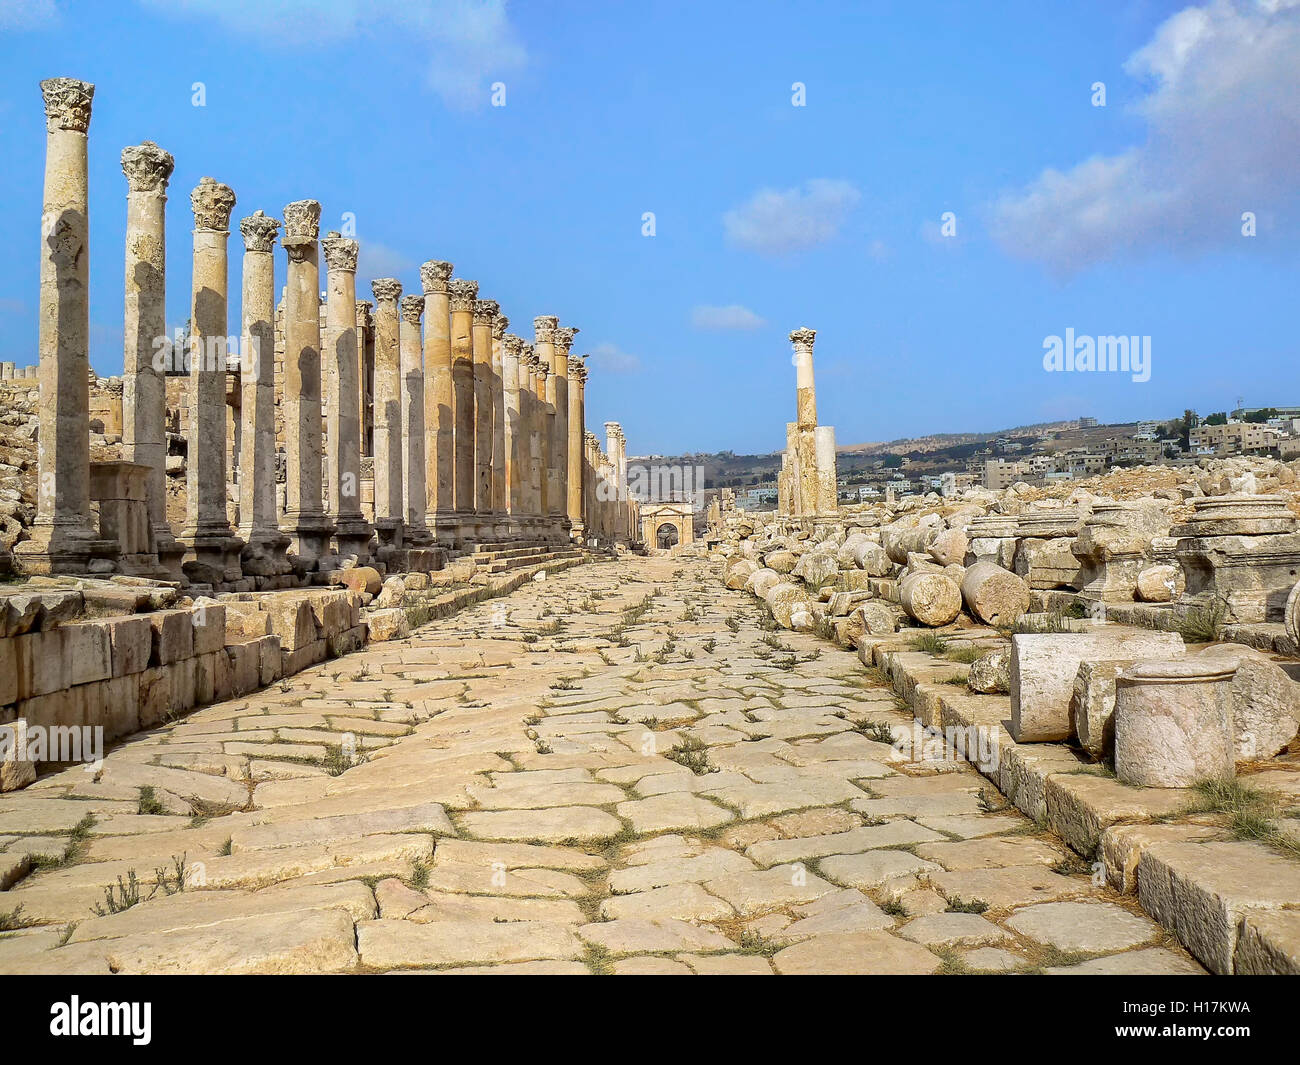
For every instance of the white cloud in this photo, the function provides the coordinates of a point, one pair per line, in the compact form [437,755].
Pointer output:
[776,222]
[732,316]
[612,359]
[27,14]
[1223,117]
[470,42]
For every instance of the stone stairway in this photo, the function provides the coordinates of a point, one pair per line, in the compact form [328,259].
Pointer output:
[501,557]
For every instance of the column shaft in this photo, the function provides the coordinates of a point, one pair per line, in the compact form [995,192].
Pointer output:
[439,398]
[461,297]
[388,408]
[342,372]
[413,440]
[484,312]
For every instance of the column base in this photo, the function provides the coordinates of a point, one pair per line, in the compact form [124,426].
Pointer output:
[354,538]
[309,535]
[265,552]
[211,556]
[65,549]
[171,552]
[442,529]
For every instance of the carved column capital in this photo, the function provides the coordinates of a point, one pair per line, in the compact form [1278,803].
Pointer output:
[212,203]
[386,289]
[462,294]
[412,308]
[564,339]
[802,339]
[67,104]
[147,167]
[512,344]
[499,325]
[544,327]
[485,311]
[259,230]
[434,276]
[364,307]
[340,253]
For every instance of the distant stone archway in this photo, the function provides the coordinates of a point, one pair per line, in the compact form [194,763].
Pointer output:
[667,526]
[667,536]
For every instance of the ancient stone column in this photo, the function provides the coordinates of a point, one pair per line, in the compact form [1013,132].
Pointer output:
[439,398]
[461,295]
[513,442]
[530,442]
[264,544]
[500,503]
[305,519]
[545,439]
[559,384]
[213,556]
[145,360]
[484,313]
[342,373]
[63,538]
[413,441]
[805,389]
[618,493]
[576,463]
[388,413]
[365,369]
[544,327]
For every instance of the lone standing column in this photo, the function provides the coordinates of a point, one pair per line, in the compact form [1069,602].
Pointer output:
[305,518]
[439,419]
[513,441]
[213,556]
[144,384]
[352,533]
[265,545]
[63,536]
[484,313]
[388,413]
[806,390]
[577,416]
[500,504]
[461,295]
[412,360]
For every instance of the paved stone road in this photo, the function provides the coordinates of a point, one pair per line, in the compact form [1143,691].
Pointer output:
[616,769]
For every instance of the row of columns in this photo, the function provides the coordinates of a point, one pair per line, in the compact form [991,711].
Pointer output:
[478,435]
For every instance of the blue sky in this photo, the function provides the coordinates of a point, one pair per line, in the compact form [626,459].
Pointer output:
[1123,219]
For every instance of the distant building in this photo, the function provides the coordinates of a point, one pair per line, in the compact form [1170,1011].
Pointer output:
[999,474]
[1233,438]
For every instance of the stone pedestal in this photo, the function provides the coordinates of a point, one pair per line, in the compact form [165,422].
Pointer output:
[439,399]
[63,538]
[121,489]
[144,386]
[1114,546]
[342,374]
[1244,550]
[264,554]
[1044,552]
[305,520]
[1173,722]
[212,549]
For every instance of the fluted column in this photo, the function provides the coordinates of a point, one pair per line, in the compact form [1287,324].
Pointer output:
[63,537]
[484,312]
[461,295]
[513,442]
[439,417]
[500,503]
[576,423]
[342,373]
[264,551]
[213,555]
[388,412]
[144,384]
[413,441]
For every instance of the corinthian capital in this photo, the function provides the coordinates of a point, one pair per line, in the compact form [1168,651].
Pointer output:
[259,230]
[434,276]
[147,167]
[212,203]
[564,339]
[485,311]
[512,345]
[340,253]
[462,293]
[386,289]
[577,371]
[412,308]
[301,228]
[364,307]
[67,104]
[499,324]
[544,327]
[802,339]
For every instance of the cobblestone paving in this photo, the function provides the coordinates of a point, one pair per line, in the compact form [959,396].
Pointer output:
[618,769]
